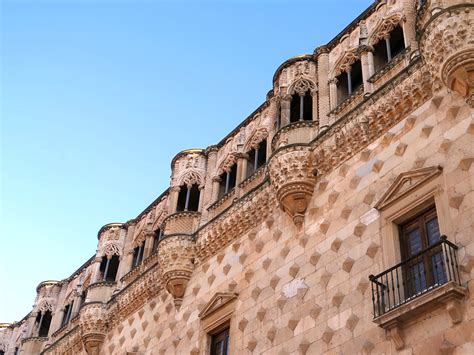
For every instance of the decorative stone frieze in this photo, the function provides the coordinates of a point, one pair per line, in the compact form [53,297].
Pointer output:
[293,176]
[447,46]
[245,213]
[176,256]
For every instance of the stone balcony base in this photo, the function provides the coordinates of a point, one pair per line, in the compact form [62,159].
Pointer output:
[449,295]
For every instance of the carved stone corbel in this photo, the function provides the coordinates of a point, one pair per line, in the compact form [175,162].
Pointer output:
[292,175]
[93,325]
[455,310]
[394,332]
[176,257]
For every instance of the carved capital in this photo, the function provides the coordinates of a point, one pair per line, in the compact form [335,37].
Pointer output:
[292,176]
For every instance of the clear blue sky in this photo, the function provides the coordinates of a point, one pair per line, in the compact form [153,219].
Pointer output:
[98,96]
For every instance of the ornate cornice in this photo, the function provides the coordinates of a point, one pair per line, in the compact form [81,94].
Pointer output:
[240,217]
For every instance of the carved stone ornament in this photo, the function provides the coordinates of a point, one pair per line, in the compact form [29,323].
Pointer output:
[176,256]
[46,305]
[218,301]
[405,183]
[255,139]
[292,175]
[448,48]
[93,325]
[384,27]
[110,248]
[345,62]
[301,86]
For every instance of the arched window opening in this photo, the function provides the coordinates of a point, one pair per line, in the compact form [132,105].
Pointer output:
[227,181]
[348,82]
[188,198]
[301,108]
[43,320]
[156,238]
[109,268]
[138,255]
[257,158]
[67,314]
[387,49]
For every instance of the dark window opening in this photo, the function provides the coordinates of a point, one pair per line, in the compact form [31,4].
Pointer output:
[66,314]
[380,55]
[109,268]
[356,75]
[220,343]
[342,87]
[83,298]
[397,41]
[386,49]
[301,107]
[156,238]
[426,270]
[227,181]
[188,198]
[44,321]
[137,255]
[295,108]
[348,82]
[257,158]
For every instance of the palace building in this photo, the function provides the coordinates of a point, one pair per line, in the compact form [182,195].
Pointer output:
[337,218]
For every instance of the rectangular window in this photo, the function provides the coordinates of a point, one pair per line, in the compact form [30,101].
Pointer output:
[220,343]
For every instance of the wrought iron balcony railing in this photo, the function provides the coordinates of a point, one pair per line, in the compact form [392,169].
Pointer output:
[432,267]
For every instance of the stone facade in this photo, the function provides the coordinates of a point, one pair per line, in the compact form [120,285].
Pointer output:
[288,233]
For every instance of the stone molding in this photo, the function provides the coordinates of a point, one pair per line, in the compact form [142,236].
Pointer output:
[406,183]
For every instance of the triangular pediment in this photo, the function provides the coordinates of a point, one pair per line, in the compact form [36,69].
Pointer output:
[405,183]
[217,301]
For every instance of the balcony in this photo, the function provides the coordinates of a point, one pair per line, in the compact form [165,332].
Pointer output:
[184,222]
[422,282]
[301,132]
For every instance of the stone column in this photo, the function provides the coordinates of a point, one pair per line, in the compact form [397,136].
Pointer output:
[322,54]
[96,268]
[273,113]
[241,168]
[201,198]
[31,324]
[333,93]
[174,192]
[207,192]
[367,62]
[76,305]
[285,110]
[124,267]
[59,321]
[148,244]
[215,188]
[408,25]
[314,98]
